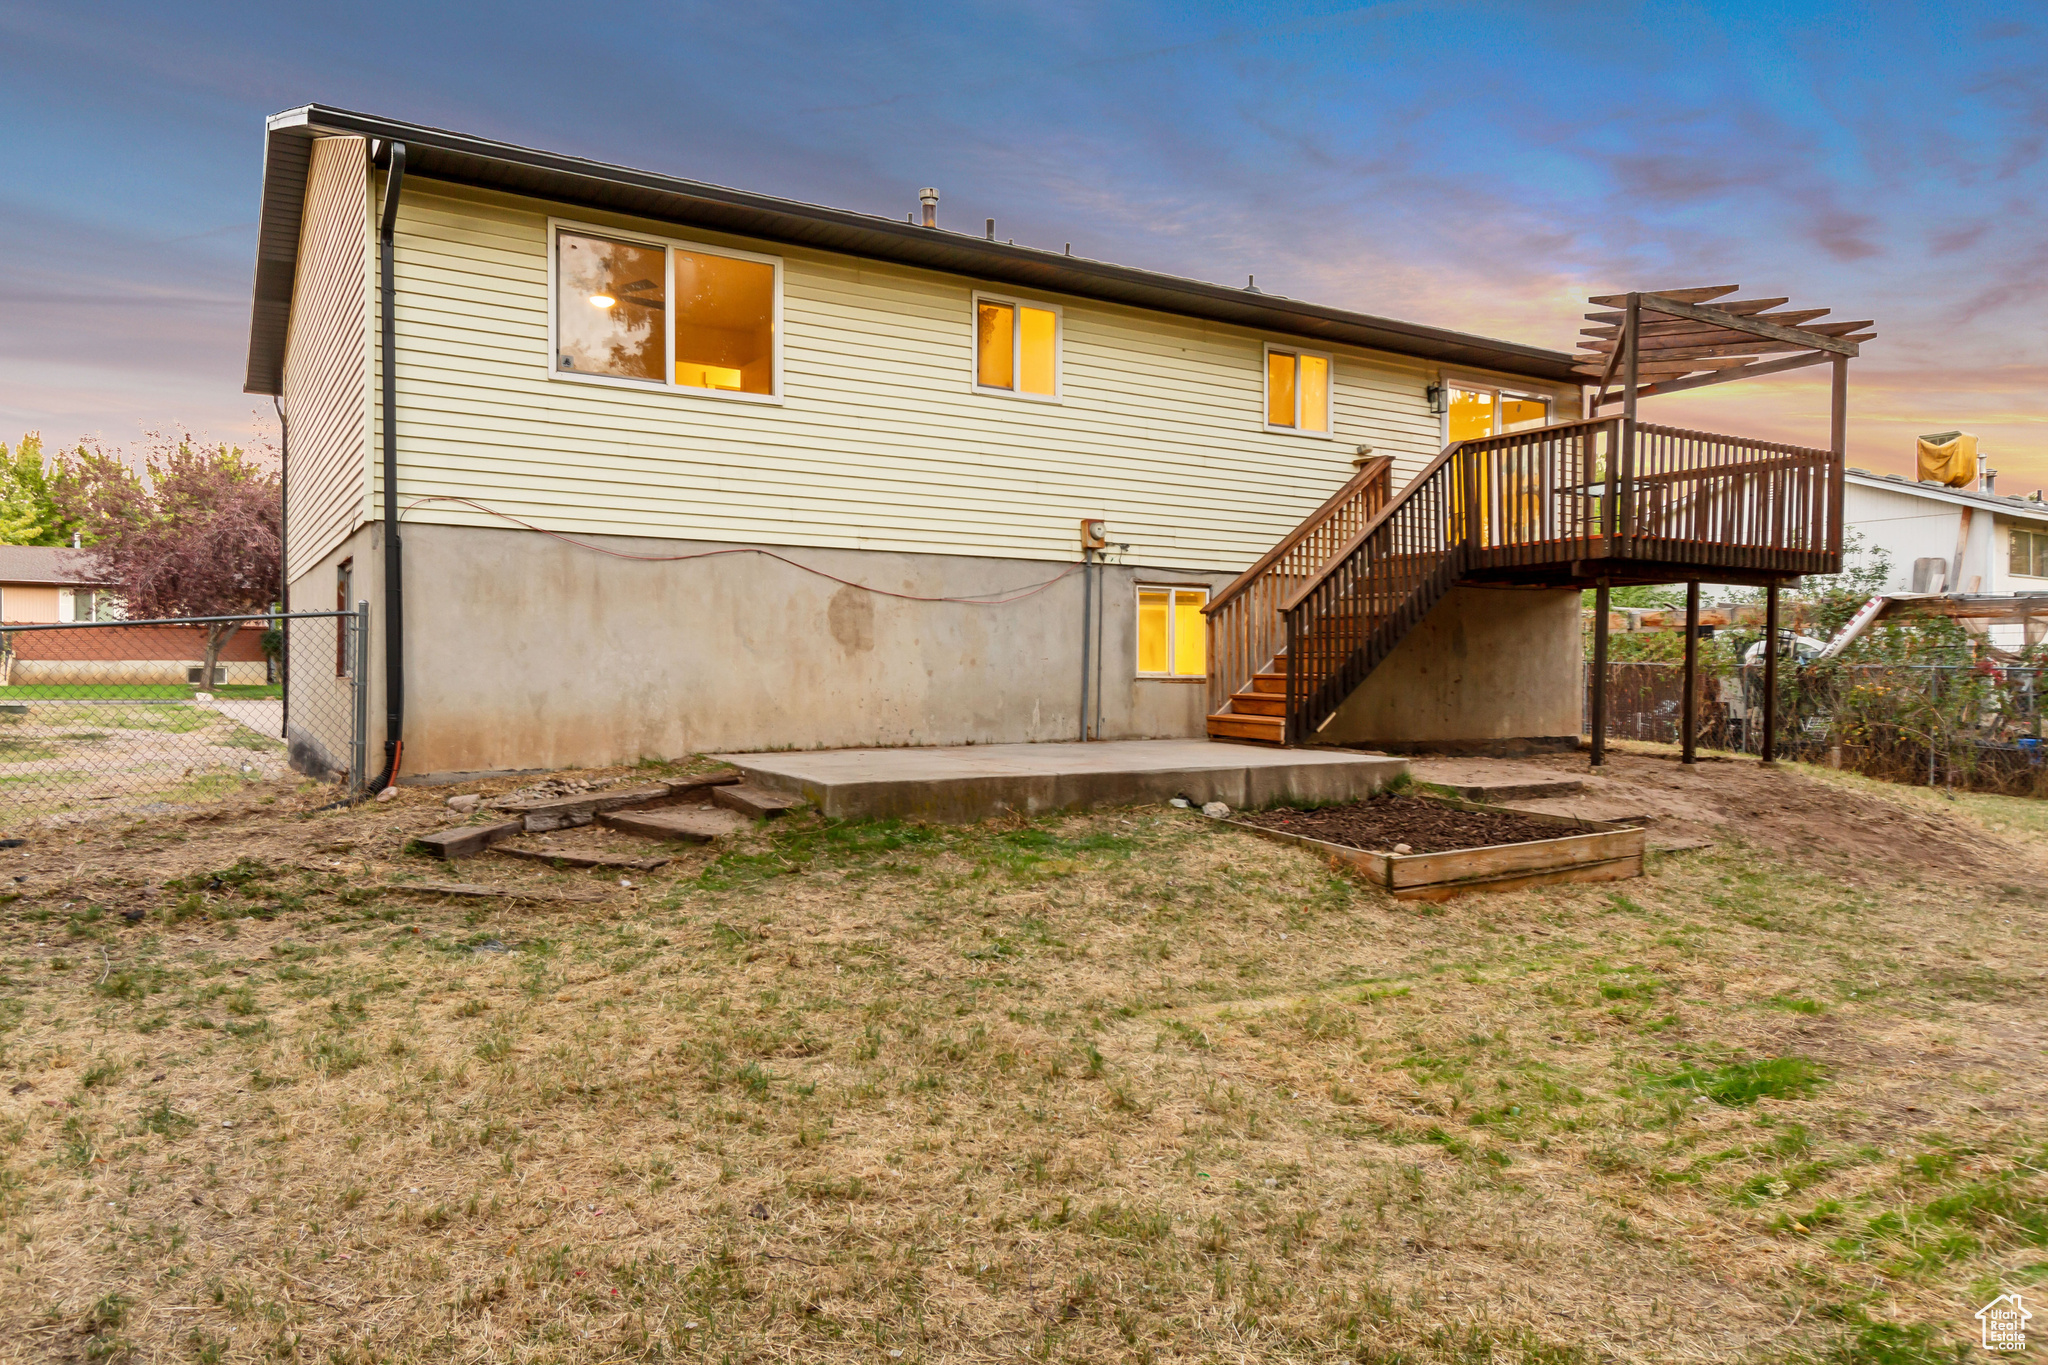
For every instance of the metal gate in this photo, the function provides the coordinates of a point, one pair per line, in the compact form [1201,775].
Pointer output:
[113,717]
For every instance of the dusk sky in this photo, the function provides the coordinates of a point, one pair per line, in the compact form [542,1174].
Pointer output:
[1478,166]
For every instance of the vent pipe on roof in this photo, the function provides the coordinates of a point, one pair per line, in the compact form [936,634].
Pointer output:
[929,197]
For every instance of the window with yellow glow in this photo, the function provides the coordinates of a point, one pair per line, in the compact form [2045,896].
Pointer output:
[1016,347]
[667,314]
[1173,636]
[1298,391]
[1477,412]
[725,323]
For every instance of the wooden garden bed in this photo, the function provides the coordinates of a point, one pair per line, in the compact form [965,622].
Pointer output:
[1582,851]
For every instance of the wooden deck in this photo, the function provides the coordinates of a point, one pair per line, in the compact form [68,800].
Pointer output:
[1606,500]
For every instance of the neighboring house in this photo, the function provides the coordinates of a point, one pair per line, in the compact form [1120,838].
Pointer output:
[46,585]
[1943,539]
[681,468]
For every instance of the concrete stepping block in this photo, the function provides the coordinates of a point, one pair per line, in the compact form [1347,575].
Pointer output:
[691,826]
[757,803]
[571,812]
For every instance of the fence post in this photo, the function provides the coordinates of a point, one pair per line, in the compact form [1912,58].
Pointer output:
[1689,712]
[359,740]
[1769,752]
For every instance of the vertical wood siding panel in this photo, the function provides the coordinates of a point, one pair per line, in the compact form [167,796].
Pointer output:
[879,442]
[325,355]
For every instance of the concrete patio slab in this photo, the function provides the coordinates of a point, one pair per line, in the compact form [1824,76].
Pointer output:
[971,782]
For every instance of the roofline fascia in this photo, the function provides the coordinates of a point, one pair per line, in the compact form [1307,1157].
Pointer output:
[1954,497]
[906,244]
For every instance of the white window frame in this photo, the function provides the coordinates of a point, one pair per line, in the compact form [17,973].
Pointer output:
[2015,533]
[1266,392]
[1474,384]
[1059,347]
[670,245]
[1137,589]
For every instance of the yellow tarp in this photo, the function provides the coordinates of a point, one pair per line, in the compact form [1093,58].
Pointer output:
[1949,458]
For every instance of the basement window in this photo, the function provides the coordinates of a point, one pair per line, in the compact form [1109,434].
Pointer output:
[1173,639]
[1297,391]
[1016,348]
[2029,554]
[652,313]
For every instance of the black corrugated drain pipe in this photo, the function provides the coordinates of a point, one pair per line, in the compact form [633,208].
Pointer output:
[394,594]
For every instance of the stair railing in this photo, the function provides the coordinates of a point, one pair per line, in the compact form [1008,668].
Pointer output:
[1244,618]
[1339,624]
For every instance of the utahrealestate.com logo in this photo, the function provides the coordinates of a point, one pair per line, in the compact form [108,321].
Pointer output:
[2005,1323]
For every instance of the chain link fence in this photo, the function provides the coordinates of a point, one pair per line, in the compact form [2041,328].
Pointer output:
[1975,725]
[115,716]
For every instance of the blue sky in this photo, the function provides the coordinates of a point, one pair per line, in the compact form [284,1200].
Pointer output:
[1481,166]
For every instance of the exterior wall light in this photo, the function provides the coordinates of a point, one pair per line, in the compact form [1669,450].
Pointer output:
[1435,394]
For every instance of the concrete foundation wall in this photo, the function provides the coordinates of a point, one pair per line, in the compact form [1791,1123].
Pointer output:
[1488,670]
[523,651]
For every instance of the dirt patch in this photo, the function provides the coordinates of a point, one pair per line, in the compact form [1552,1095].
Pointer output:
[1381,822]
[1818,817]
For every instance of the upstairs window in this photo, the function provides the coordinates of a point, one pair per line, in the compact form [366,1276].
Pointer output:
[2029,554]
[665,314]
[1476,412]
[1297,391]
[1016,347]
[1173,639]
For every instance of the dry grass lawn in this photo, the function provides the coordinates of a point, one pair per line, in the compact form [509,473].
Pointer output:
[1123,1087]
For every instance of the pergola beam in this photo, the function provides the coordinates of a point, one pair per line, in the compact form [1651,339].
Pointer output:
[1676,308]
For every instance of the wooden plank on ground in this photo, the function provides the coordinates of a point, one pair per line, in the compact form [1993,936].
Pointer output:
[510,893]
[689,826]
[466,841]
[570,812]
[562,858]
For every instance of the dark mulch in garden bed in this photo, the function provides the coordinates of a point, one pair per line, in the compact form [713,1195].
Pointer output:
[1379,822]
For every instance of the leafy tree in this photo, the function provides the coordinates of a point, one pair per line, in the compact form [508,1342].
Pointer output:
[31,509]
[195,533]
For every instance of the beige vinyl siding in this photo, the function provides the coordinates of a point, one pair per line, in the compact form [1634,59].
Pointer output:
[877,442]
[326,362]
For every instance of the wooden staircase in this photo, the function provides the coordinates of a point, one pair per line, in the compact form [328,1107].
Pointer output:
[1248,657]
[1604,500]
[1257,712]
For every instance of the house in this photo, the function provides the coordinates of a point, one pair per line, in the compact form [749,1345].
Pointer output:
[44,585]
[627,465]
[1943,539]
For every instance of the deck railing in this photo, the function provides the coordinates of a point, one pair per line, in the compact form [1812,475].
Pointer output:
[1244,618]
[1668,500]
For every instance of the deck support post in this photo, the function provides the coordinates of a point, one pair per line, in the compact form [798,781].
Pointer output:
[1689,713]
[1599,721]
[1769,748]
[1838,441]
[1623,496]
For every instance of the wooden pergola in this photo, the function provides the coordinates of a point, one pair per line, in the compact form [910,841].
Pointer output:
[1674,340]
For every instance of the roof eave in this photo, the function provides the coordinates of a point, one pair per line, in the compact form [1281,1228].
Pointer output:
[438,154]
